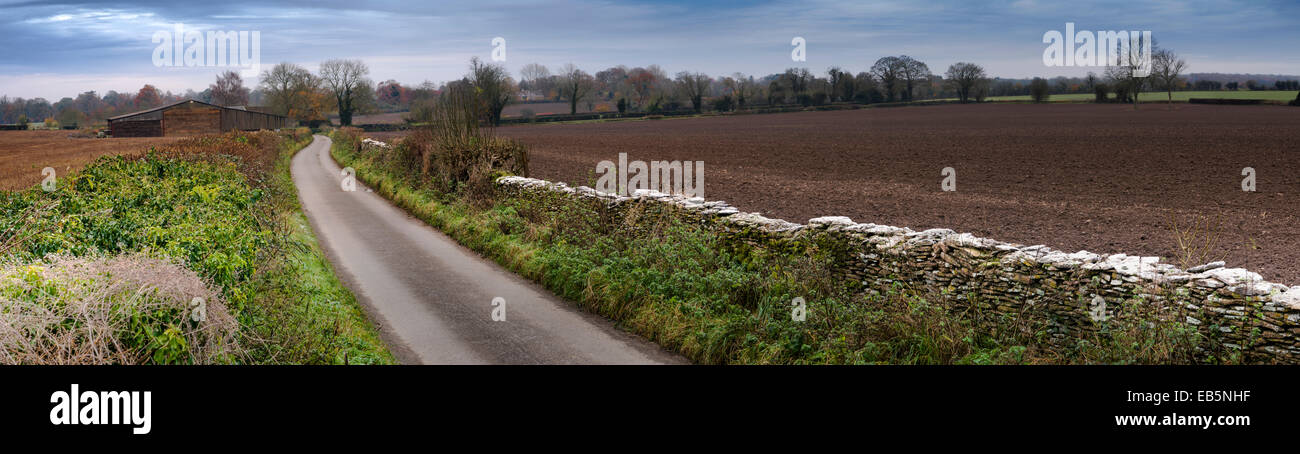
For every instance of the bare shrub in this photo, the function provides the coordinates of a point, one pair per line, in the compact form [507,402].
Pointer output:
[128,309]
[455,153]
[1196,240]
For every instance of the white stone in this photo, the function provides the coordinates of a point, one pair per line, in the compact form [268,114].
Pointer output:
[1289,298]
[831,220]
[1234,276]
[1206,267]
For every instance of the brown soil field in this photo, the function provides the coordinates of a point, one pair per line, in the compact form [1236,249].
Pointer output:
[24,153]
[1102,178]
[395,118]
[551,108]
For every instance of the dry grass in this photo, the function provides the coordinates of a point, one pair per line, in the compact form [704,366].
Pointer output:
[24,153]
[128,309]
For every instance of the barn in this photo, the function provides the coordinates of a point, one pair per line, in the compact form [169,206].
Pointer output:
[190,117]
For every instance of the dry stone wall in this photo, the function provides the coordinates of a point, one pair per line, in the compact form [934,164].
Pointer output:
[1068,292]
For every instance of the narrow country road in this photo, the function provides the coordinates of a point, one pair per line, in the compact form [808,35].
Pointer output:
[433,299]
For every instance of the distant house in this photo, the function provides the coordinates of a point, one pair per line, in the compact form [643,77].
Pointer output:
[190,117]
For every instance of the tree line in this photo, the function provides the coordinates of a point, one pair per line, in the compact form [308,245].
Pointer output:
[342,87]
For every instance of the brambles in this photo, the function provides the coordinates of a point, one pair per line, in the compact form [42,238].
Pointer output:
[128,309]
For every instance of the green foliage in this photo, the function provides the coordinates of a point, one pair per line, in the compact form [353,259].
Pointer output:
[227,208]
[198,212]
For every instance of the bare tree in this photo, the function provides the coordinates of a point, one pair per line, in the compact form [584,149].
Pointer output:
[742,87]
[1167,69]
[912,72]
[535,77]
[289,89]
[964,77]
[229,90]
[346,79]
[797,80]
[1129,70]
[693,87]
[493,87]
[888,70]
[575,84]
[837,77]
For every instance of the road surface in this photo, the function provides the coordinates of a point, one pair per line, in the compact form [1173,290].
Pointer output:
[433,299]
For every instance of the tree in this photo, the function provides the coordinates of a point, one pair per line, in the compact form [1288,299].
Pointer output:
[1167,68]
[1038,90]
[964,77]
[575,84]
[147,98]
[888,70]
[1129,71]
[796,80]
[345,79]
[229,90]
[693,87]
[291,91]
[91,104]
[740,87]
[611,80]
[912,71]
[642,83]
[844,85]
[390,94]
[535,77]
[492,86]
[1100,92]
[837,78]
[865,89]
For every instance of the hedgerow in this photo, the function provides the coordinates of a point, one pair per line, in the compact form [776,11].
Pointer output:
[222,206]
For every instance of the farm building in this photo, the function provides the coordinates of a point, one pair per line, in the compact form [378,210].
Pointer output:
[190,117]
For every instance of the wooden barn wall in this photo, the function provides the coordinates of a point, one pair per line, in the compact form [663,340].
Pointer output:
[194,119]
[248,121]
[146,128]
[191,120]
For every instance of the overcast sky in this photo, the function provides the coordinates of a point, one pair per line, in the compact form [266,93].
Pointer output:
[55,49]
